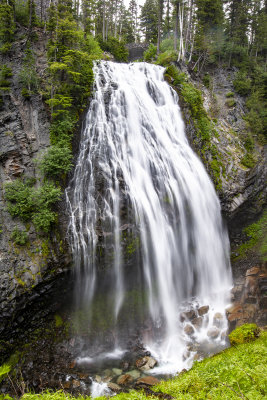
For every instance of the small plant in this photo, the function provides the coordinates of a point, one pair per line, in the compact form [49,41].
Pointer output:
[243,334]
[19,237]
[56,161]
[206,80]
[229,94]
[33,204]
[150,53]
[230,102]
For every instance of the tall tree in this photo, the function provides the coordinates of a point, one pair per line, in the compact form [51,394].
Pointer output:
[149,21]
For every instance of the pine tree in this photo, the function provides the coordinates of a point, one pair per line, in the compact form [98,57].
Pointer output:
[149,21]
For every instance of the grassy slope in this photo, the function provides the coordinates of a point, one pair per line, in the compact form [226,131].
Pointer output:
[238,372]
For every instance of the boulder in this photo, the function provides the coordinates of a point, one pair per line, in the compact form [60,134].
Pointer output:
[145,363]
[213,332]
[203,310]
[114,387]
[147,380]
[197,322]
[218,319]
[124,379]
[189,330]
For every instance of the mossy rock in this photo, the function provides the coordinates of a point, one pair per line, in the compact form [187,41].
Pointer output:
[243,334]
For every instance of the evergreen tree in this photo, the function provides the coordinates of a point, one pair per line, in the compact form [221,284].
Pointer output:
[149,21]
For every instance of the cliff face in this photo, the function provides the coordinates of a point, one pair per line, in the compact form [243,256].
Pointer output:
[27,273]
[242,190]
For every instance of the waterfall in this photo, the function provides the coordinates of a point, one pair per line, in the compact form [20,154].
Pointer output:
[145,224]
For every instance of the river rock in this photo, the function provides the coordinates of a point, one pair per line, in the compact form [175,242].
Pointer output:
[117,371]
[113,386]
[124,379]
[135,374]
[76,384]
[146,363]
[203,310]
[218,319]
[197,322]
[213,332]
[188,315]
[189,330]
[147,380]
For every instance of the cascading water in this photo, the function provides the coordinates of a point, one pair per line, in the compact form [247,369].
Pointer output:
[145,224]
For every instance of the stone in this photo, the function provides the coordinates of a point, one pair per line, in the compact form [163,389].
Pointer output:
[66,385]
[124,379]
[218,319]
[197,322]
[75,383]
[117,371]
[189,330]
[203,310]
[145,363]
[189,314]
[135,374]
[98,379]
[253,271]
[213,332]
[113,386]
[147,380]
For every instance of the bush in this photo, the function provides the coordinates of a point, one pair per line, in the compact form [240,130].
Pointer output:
[230,103]
[115,47]
[56,161]
[243,334]
[206,80]
[242,84]
[61,130]
[150,53]
[32,204]
[229,94]
[21,12]
[166,44]
[19,237]
[166,58]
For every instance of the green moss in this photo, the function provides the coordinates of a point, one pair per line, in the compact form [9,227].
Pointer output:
[256,238]
[243,334]
[58,321]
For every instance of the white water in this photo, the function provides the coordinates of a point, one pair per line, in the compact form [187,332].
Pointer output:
[134,155]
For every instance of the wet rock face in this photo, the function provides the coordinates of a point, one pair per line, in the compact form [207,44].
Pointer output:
[27,273]
[243,191]
[249,298]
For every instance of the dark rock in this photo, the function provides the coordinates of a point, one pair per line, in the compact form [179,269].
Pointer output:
[203,310]
[189,330]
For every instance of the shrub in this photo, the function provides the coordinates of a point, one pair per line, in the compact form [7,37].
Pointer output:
[115,47]
[229,94]
[56,161]
[243,334]
[19,196]
[21,12]
[19,237]
[242,83]
[61,130]
[33,204]
[166,44]
[206,80]
[150,53]
[166,58]
[230,102]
